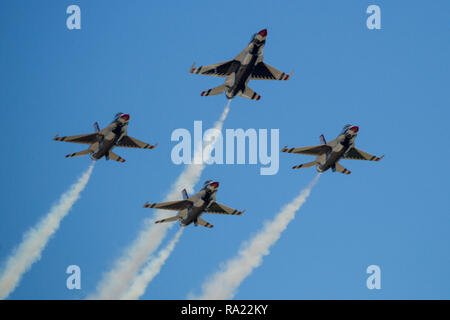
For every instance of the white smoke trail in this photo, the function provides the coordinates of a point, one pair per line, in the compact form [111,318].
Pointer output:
[151,270]
[35,239]
[116,282]
[224,283]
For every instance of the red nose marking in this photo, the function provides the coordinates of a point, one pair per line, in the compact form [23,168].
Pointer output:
[125,117]
[263,33]
[355,129]
[214,184]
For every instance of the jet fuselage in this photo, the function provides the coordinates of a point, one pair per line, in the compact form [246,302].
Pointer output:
[201,200]
[237,81]
[344,143]
[111,135]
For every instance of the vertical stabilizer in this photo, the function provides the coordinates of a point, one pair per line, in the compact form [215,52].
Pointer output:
[96,127]
[322,139]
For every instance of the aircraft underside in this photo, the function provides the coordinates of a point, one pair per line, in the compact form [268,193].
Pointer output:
[331,161]
[192,215]
[103,150]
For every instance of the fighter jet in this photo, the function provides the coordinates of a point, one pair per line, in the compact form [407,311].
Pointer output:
[329,154]
[103,141]
[190,208]
[248,65]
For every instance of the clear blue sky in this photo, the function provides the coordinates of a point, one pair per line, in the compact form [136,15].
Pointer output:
[134,57]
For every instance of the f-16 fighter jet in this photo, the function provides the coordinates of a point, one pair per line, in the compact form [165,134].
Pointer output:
[329,154]
[248,65]
[103,141]
[190,208]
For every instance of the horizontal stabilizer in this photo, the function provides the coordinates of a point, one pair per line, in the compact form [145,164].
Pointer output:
[171,219]
[341,169]
[115,157]
[249,93]
[203,223]
[77,154]
[213,91]
[305,165]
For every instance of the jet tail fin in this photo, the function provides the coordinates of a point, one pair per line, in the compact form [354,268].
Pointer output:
[77,154]
[322,139]
[96,127]
[305,165]
[249,93]
[185,194]
[213,91]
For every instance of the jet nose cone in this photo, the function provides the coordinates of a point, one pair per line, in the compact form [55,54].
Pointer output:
[263,33]
[125,117]
[355,129]
[214,184]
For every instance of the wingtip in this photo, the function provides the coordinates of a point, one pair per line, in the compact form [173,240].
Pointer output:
[286,77]
[242,212]
[380,158]
[284,149]
[191,70]
[147,205]
[56,137]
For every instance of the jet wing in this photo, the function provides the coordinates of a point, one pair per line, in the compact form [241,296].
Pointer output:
[263,71]
[357,154]
[170,205]
[219,208]
[313,150]
[81,138]
[129,142]
[222,69]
